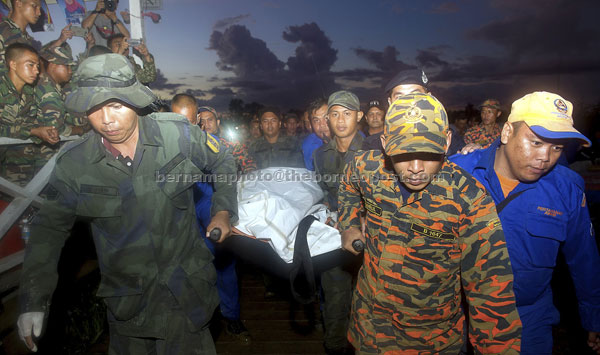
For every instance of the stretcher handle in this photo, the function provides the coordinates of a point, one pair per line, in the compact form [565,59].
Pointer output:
[215,234]
[358,245]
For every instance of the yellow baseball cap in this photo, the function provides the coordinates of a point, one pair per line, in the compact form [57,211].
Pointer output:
[548,115]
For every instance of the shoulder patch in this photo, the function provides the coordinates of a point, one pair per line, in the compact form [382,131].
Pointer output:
[212,143]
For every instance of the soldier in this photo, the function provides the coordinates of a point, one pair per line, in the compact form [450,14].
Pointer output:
[405,82]
[145,73]
[343,114]
[273,149]
[13,28]
[544,211]
[431,230]
[50,96]
[18,114]
[131,178]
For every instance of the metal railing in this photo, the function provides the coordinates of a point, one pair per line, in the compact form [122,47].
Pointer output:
[23,197]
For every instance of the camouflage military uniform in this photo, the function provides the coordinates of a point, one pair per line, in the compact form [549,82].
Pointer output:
[158,281]
[477,134]
[419,252]
[336,282]
[11,33]
[244,162]
[18,114]
[329,167]
[146,73]
[150,253]
[283,153]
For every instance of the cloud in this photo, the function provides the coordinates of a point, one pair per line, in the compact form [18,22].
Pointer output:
[448,7]
[314,52]
[430,57]
[228,21]
[386,61]
[556,27]
[243,54]
[260,76]
[161,83]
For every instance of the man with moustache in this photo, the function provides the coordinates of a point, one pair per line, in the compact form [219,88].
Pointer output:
[343,114]
[432,239]
[374,116]
[274,149]
[317,112]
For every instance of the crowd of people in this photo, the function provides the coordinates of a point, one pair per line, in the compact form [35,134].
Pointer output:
[461,222]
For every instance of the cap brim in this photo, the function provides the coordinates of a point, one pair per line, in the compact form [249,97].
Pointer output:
[349,107]
[427,142]
[564,133]
[84,98]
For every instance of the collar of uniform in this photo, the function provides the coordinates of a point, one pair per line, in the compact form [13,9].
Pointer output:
[488,157]
[13,24]
[355,145]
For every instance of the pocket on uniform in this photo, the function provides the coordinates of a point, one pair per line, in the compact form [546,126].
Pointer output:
[194,286]
[545,235]
[124,296]
[177,177]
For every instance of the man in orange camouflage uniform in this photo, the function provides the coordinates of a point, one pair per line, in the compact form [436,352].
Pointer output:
[431,229]
[485,133]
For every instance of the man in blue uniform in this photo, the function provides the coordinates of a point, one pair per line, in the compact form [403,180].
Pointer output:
[543,209]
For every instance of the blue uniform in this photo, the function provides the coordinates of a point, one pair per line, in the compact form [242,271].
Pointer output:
[311,143]
[550,214]
[227,283]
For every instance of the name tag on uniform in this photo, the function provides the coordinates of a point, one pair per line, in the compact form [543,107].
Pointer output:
[212,143]
[431,233]
[373,208]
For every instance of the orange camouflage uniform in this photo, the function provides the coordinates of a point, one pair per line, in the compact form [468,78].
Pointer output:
[419,253]
[477,134]
[243,161]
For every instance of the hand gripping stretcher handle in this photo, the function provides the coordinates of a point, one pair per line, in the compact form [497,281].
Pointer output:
[215,234]
[358,245]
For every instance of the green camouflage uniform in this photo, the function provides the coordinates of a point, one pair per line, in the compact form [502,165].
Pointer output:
[158,281]
[50,100]
[11,33]
[283,153]
[329,167]
[18,113]
[337,281]
[146,73]
[424,247]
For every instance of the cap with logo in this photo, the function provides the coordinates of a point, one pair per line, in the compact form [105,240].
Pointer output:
[376,103]
[60,55]
[208,109]
[407,77]
[107,77]
[416,123]
[491,103]
[344,98]
[548,115]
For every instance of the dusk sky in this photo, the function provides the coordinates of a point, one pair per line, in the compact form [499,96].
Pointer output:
[286,53]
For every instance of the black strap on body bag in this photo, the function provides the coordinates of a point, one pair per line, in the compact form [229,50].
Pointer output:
[302,264]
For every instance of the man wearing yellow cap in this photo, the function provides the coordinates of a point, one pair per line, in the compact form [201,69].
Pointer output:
[543,209]
[431,230]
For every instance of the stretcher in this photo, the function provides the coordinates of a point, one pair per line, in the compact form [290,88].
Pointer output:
[283,228]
